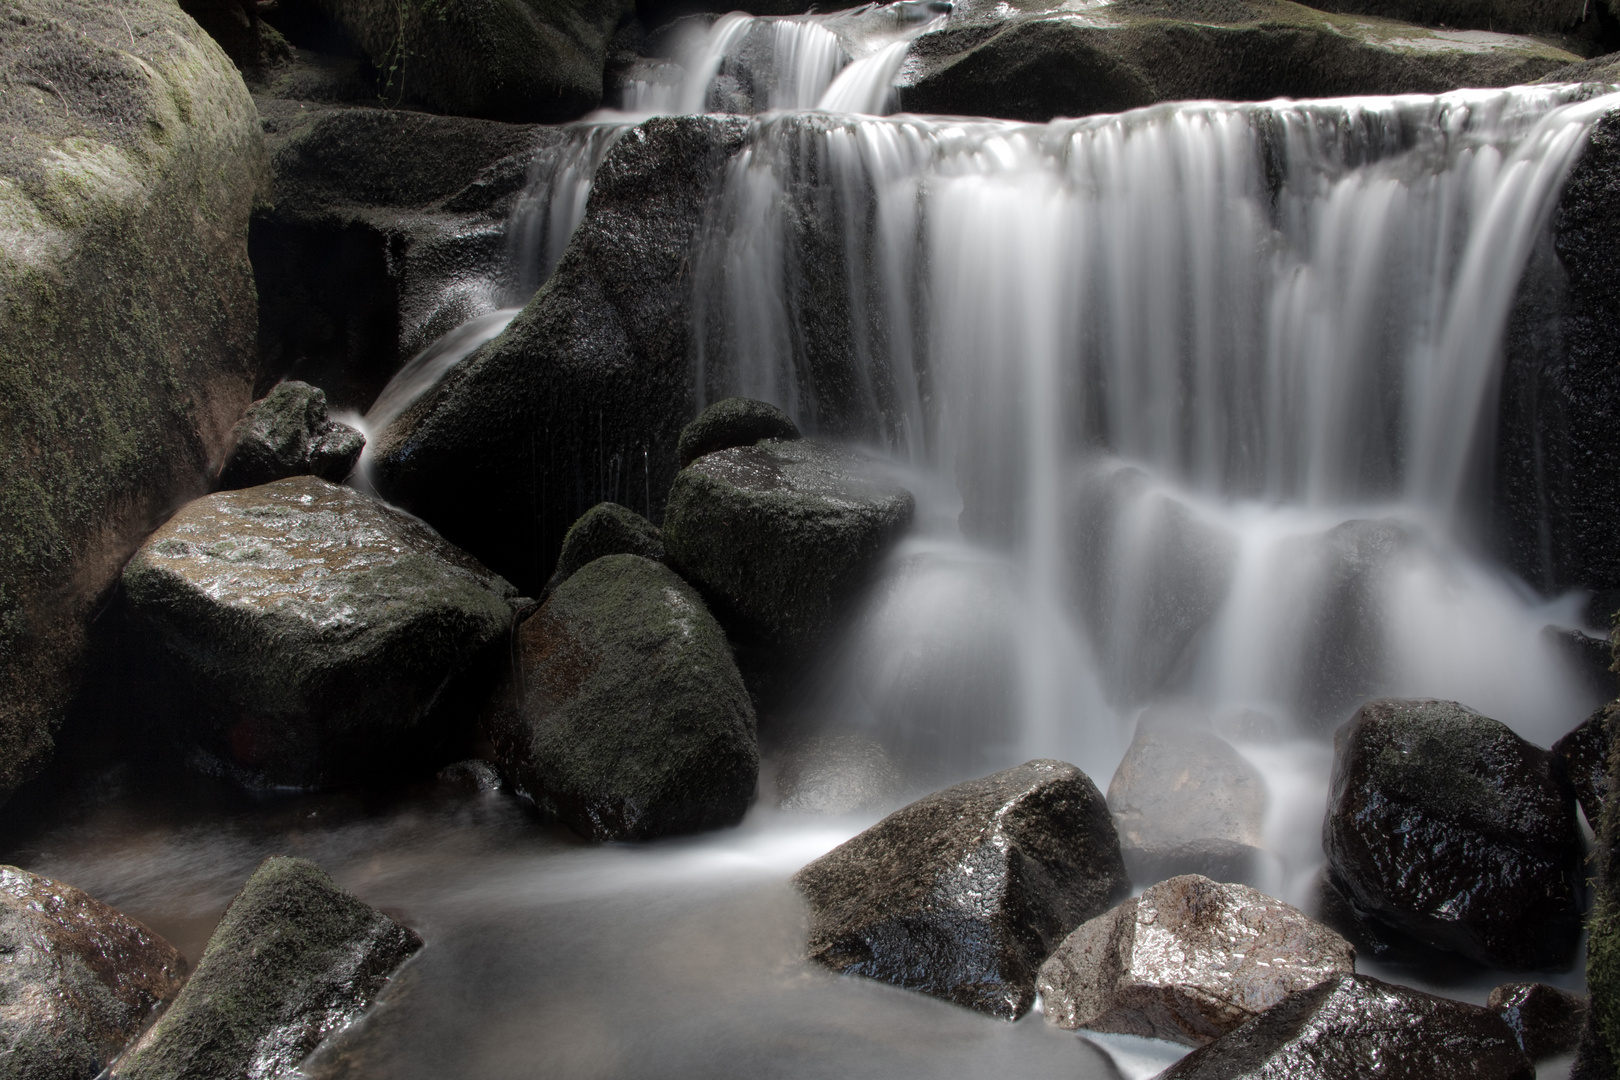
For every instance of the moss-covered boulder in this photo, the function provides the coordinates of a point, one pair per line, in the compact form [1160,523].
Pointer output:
[783,534]
[606,529]
[287,433]
[626,718]
[80,979]
[733,421]
[305,634]
[130,159]
[294,959]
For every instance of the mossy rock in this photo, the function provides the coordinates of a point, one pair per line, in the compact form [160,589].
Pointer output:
[287,433]
[606,529]
[733,421]
[1501,16]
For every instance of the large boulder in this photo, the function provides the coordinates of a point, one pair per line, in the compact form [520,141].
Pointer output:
[130,159]
[1188,960]
[1448,827]
[1506,16]
[80,979]
[584,395]
[626,717]
[287,433]
[306,634]
[1353,1026]
[784,533]
[606,529]
[962,894]
[294,959]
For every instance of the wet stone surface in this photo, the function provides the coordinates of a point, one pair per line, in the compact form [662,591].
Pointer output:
[1584,754]
[1546,1020]
[732,422]
[287,433]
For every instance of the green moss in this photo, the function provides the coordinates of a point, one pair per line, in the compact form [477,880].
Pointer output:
[606,529]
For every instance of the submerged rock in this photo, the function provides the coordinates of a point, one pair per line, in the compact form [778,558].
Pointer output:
[837,773]
[606,529]
[734,421]
[962,894]
[79,979]
[626,717]
[303,634]
[783,534]
[287,433]
[1450,828]
[1338,1029]
[294,959]
[1188,961]
[1584,754]
[1546,1020]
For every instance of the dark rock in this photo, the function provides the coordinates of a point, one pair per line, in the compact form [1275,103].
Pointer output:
[471,777]
[626,718]
[1187,961]
[287,433]
[1584,754]
[293,959]
[1371,938]
[1546,1020]
[80,979]
[130,155]
[732,422]
[251,43]
[606,529]
[589,386]
[962,894]
[1590,659]
[783,534]
[1599,1052]
[1352,1026]
[1449,827]
[303,634]
[837,773]
[1502,16]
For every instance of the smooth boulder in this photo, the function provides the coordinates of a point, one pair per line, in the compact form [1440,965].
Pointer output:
[1188,960]
[734,421]
[1546,1020]
[1504,16]
[1448,827]
[294,959]
[626,717]
[287,433]
[78,981]
[962,894]
[304,634]
[606,529]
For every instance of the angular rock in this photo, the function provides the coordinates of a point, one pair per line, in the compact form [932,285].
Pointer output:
[783,534]
[130,158]
[732,422]
[1450,828]
[1338,1029]
[80,979]
[293,959]
[606,529]
[626,717]
[287,433]
[1188,960]
[1546,1020]
[962,894]
[1584,756]
[303,634]
[1185,802]
[837,773]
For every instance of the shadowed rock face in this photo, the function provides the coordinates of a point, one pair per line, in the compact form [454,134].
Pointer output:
[1546,1020]
[1188,960]
[1334,1030]
[80,979]
[1584,754]
[1450,828]
[962,894]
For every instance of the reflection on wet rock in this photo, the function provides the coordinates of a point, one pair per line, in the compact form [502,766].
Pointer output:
[1546,1020]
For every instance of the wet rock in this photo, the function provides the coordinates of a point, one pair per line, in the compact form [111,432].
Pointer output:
[303,634]
[287,433]
[626,718]
[1334,1030]
[1188,961]
[293,959]
[1584,755]
[783,534]
[80,979]
[606,529]
[962,894]
[1588,658]
[1185,802]
[1502,16]
[732,422]
[471,777]
[837,773]
[1450,828]
[1546,1020]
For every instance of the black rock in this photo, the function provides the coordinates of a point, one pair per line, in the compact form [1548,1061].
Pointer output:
[472,776]
[732,422]
[963,894]
[1546,1020]
[293,959]
[1584,754]
[287,433]
[1449,827]
[606,529]
[1352,1027]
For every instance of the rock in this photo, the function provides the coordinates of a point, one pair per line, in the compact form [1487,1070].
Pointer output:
[589,386]
[1187,961]
[962,894]
[1448,827]
[606,529]
[303,634]
[293,959]
[1584,757]
[287,433]
[732,422]
[1185,802]
[1333,1031]
[1546,1020]
[1599,1054]
[837,773]
[1590,659]
[783,534]
[626,718]
[130,158]
[80,979]
[251,43]
[1504,16]
[472,777]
